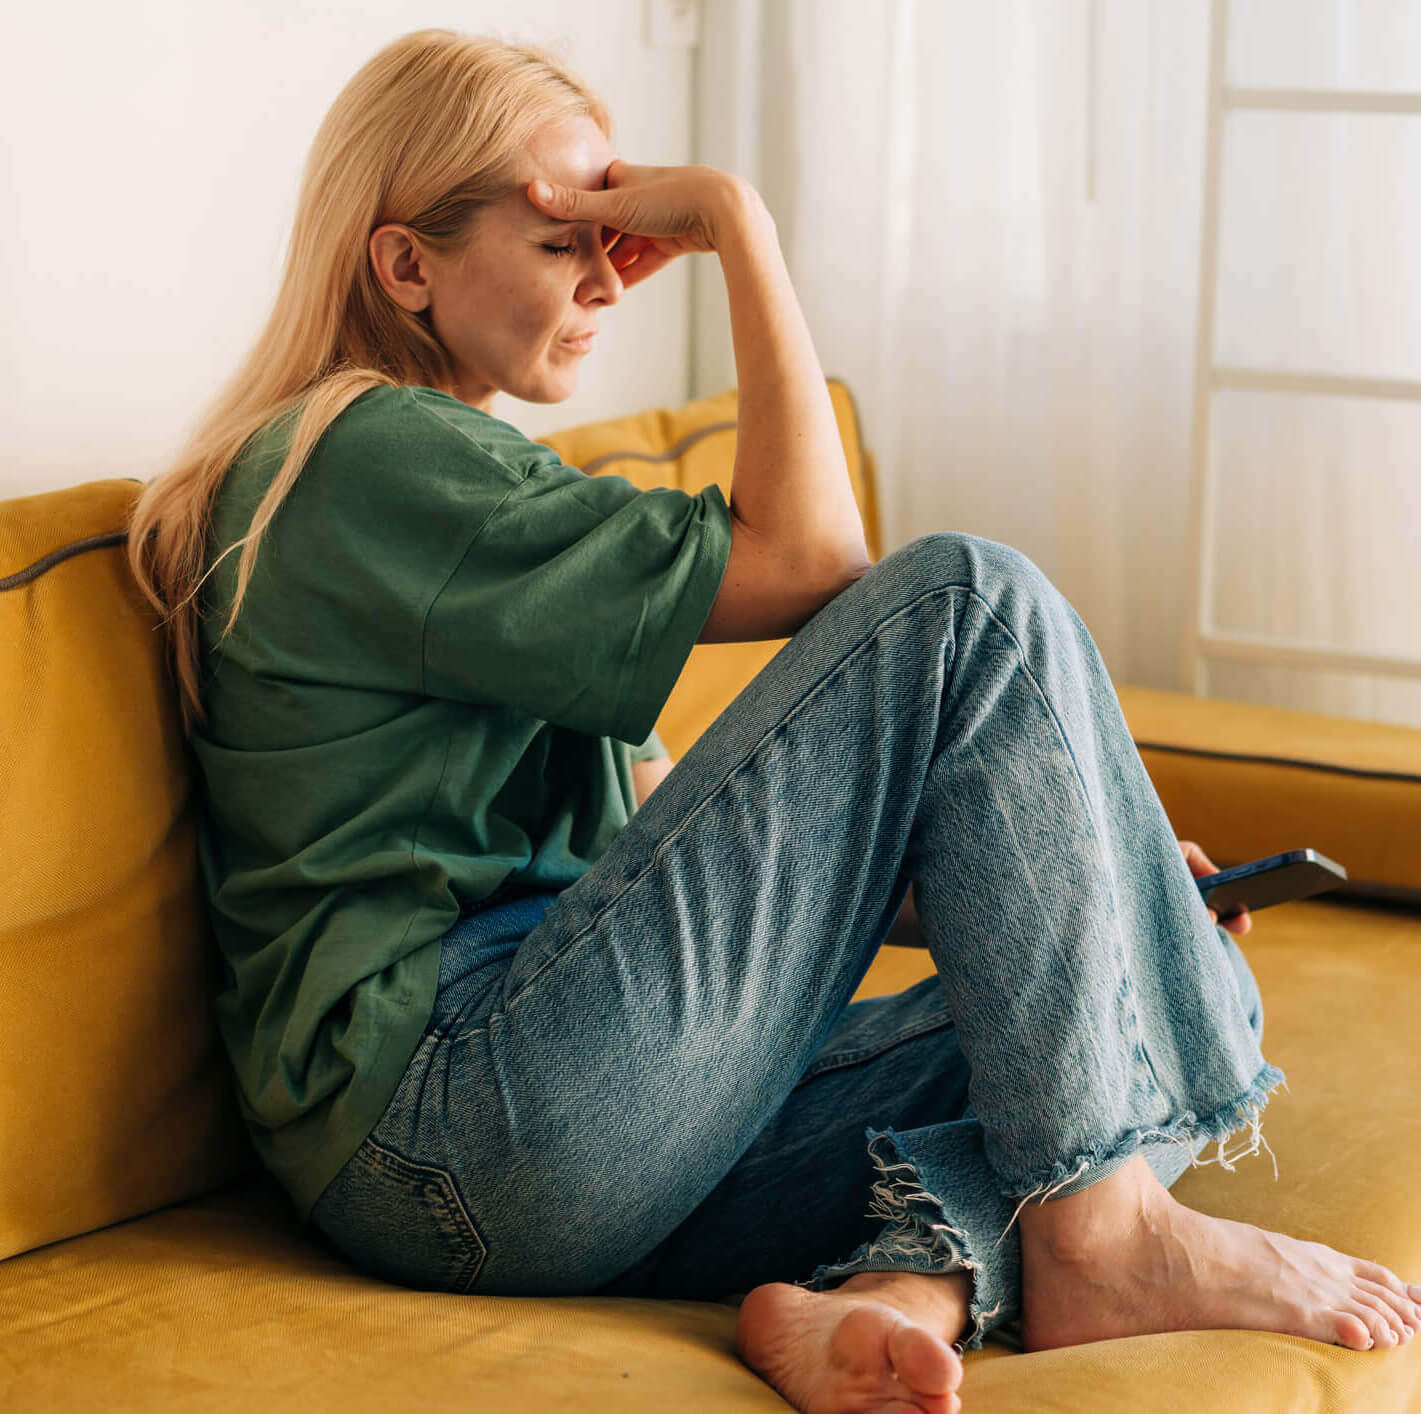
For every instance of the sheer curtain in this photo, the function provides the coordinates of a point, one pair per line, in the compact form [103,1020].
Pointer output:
[991,213]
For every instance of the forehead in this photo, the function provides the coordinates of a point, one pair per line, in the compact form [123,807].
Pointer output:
[570,153]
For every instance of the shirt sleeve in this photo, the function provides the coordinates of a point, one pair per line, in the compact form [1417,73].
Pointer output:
[578,600]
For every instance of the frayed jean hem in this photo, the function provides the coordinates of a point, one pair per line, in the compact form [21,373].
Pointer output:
[919,1233]
[1188,1131]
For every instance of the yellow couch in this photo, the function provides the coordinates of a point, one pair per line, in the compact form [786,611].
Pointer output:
[148,1262]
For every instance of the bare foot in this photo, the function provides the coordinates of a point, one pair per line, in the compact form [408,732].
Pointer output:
[879,1341]
[1132,1260]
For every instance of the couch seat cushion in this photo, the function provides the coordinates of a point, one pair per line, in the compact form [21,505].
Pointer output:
[225,1303]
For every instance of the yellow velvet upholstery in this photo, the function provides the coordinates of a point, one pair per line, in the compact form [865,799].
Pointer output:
[114,1096]
[152,1265]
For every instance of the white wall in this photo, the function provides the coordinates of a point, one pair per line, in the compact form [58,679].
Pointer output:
[154,151]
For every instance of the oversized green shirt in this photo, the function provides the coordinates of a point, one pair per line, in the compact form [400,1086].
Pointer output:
[447,647]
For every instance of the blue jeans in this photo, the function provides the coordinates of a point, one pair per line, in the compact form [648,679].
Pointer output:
[654,1082]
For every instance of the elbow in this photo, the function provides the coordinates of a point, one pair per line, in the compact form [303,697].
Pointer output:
[847,567]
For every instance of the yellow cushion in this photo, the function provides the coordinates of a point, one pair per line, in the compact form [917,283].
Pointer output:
[225,1303]
[1248,781]
[114,1092]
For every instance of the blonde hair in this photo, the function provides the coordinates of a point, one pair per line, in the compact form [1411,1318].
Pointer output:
[428,133]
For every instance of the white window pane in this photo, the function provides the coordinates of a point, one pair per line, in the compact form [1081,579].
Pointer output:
[1319,229]
[1317,520]
[1372,45]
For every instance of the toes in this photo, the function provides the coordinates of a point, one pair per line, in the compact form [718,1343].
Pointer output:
[1353,1331]
[1396,1332]
[1373,1312]
[1410,1296]
[1384,1276]
[1406,1299]
[926,1364]
[1400,1310]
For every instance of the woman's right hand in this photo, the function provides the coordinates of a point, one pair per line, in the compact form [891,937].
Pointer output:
[650,215]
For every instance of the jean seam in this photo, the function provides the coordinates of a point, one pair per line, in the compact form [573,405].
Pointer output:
[942,590]
[1095,839]
[454,1038]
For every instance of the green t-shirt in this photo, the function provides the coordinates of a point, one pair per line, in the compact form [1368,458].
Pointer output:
[448,644]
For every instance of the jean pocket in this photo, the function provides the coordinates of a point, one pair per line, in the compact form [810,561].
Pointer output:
[402,1221]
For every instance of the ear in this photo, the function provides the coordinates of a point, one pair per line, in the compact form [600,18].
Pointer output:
[400,267]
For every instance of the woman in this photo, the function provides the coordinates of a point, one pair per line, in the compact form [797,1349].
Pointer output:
[495,1028]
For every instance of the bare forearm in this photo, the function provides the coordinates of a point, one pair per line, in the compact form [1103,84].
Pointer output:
[790,482]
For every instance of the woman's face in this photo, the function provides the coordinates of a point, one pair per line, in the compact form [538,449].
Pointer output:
[504,307]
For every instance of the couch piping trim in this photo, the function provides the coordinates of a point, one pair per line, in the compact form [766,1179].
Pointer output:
[1408,776]
[64,552]
[670,454]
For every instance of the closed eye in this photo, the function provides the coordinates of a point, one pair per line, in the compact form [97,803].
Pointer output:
[560,249]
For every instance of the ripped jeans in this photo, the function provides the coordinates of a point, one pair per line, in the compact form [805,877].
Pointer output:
[654,1082]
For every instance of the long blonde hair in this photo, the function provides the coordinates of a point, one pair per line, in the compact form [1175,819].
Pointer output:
[428,132]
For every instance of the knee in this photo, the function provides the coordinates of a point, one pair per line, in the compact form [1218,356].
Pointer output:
[949,557]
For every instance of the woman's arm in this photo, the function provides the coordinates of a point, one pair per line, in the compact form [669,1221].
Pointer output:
[790,482]
[647,775]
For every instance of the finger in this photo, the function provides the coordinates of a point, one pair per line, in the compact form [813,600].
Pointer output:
[1236,923]
[643,266]
[1197,860]
[567,203]
[627,249]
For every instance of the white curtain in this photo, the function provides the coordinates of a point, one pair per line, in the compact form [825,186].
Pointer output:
[992,216]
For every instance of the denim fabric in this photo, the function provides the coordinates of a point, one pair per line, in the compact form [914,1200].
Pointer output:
[655,1083]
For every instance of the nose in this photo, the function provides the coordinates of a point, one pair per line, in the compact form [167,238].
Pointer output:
[604,279]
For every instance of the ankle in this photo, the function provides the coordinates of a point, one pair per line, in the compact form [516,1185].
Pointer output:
[1084,1225]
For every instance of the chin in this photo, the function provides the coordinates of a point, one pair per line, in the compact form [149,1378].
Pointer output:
[556,389]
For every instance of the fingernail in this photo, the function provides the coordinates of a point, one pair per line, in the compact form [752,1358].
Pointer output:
[542,191]
[1414,1292]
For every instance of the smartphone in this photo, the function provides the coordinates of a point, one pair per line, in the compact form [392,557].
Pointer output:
[1297,874]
